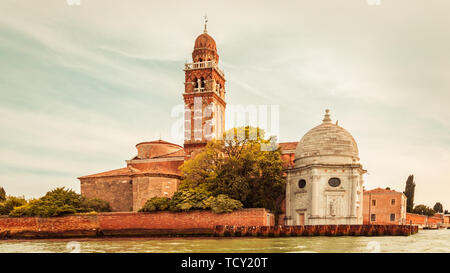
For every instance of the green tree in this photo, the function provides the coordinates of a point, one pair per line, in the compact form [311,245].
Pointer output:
[409,192]
[423,210]
[10,204]
[222,203]
[156,204]
[58,202]
[244,166]
[438,207]
[2,194]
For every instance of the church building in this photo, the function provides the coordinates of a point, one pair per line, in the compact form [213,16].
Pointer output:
[324,176]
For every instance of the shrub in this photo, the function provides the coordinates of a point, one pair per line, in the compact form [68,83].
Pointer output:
[95,204]
[59,202]
[10,203]
[156,204]
[222,203]
[189,199]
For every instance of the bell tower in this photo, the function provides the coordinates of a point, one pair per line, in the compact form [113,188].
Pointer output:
[204,96]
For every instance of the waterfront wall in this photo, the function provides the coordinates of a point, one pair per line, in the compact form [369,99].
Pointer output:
[315,230]
[130,224]
[423,221]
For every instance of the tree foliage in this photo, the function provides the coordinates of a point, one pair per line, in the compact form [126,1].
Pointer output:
[409,192]
[2,194]
[438,207]
[10,203]
[185,200]
[423,210]
[58,202]
[244,166]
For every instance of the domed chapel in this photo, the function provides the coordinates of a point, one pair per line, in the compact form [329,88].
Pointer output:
[324,187]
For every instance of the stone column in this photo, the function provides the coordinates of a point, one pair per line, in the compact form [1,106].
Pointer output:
[314,193]
[288,200]
[354,182]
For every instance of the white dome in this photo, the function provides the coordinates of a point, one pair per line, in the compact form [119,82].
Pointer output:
[327,143]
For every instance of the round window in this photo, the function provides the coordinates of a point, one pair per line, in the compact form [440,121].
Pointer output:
[334,182]
[301,183]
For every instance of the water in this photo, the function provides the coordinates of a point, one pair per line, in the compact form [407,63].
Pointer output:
[424,241]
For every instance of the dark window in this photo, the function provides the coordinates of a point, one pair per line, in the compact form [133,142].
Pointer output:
[392,216]
[373,217]
[195,83]
[393,202]
[374,202]
[334,182]
[301,183]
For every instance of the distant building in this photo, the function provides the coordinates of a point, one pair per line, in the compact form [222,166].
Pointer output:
[384,207]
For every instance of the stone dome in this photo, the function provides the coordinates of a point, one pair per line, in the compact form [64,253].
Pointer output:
[204,40]
[326,143]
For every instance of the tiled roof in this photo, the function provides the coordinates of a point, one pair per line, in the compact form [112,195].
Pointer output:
[288,145]
[116,172]
[380,190]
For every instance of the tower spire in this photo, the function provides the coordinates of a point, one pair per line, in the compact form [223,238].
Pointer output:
[206,22]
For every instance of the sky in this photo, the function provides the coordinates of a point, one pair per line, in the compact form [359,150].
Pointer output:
[81,85]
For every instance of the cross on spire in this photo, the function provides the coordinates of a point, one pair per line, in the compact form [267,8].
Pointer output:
[206,22]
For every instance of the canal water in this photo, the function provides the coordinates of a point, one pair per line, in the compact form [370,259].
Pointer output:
[424,241]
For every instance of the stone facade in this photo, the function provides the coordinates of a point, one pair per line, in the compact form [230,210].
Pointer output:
[384,207]
[324,187]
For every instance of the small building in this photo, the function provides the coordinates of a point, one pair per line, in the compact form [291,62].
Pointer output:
[384,207]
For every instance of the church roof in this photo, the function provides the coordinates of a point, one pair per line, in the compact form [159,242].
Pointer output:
[327,139]
[117,172]
[204,40]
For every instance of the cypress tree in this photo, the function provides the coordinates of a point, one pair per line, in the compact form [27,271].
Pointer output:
[409,192]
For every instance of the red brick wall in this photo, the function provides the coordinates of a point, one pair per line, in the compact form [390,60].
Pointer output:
[423,220]
[183,220]
[116,221]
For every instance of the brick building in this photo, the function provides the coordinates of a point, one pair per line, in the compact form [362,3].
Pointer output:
[384,206]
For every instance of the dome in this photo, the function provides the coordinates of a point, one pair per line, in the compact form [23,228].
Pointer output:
[157,148]
[205,41]
[327,143]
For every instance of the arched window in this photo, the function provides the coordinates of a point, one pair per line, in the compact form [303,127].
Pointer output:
[200,60]
[195,83]
[334,182]
[202,82]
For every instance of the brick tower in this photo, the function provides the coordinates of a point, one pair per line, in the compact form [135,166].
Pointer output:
[204,96]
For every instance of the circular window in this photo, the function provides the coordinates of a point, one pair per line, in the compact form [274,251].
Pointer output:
[301,183]
[334,182]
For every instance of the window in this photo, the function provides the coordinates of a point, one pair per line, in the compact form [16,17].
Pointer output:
[301,183]
[334,182]
[374,202]
[393,202]
[392,216]
[373,217]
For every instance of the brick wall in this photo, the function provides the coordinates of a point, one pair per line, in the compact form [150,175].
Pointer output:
[118,191]
[381,204]
[121,223]
[425,221]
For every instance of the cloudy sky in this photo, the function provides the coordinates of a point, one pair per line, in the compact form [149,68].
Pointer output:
[80,85]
